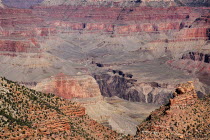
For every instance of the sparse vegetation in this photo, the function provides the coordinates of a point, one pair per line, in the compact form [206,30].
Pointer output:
[27,114]
[185,117]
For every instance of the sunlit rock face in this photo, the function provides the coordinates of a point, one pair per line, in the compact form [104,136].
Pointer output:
[70,87]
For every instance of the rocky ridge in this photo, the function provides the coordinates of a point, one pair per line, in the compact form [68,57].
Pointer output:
[28,114]
[185,116]
[131,90]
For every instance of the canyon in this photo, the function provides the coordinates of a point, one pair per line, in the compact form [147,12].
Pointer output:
[107,55]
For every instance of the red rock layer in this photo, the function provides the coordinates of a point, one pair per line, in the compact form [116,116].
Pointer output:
[121,20]
[38,23]
[70,87]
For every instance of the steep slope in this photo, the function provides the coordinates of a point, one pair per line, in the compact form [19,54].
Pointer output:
[185,116]
[26,113]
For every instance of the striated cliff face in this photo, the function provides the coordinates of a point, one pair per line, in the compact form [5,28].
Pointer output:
[185,116]
[70,87]
[130,89]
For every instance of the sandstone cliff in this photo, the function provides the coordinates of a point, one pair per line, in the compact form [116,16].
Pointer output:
[70,87]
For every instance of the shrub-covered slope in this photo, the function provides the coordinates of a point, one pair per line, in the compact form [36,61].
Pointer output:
[25,113]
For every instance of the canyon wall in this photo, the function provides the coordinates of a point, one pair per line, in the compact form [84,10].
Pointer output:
[70,87]
[131,90]
[195,63]
[46,40]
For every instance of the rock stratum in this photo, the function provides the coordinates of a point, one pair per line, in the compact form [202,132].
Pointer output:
[70,87]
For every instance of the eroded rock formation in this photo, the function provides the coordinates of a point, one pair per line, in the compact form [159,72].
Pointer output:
[70,87]
[130,89]
[196,63]
[185,116]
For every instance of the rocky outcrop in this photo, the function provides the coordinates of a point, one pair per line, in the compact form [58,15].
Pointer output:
[184,117]
[185,95]
[70,87]
[196,56]
[129,89]
[193,62]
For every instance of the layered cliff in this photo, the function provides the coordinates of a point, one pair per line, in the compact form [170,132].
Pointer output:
[70,87]
[193,62]
[185,116]
[131,90]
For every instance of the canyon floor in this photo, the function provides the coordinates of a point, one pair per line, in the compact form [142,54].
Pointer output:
[118,114]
